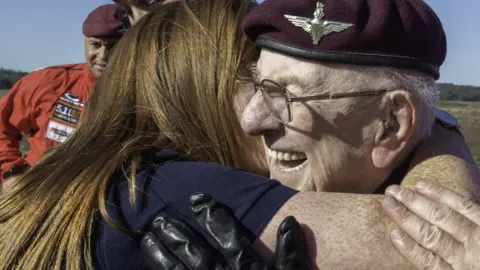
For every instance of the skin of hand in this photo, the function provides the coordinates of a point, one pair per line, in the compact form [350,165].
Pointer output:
[172,244]
[439,228]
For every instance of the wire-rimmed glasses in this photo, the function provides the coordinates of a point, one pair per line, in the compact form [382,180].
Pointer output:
[278,98]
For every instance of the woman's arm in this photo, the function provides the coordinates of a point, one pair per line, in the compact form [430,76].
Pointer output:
[172,243]
[350,231]
[445,159]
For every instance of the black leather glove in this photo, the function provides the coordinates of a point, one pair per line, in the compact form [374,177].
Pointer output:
[172,244]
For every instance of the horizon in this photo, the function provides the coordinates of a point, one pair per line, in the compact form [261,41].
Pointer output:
[55,30]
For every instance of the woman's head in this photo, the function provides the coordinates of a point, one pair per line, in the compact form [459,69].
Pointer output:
[170,82]
[181,69]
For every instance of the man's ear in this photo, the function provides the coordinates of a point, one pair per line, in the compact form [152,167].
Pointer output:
[400,116]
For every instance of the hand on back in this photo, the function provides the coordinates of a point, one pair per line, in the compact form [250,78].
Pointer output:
[440,229]
[172,244]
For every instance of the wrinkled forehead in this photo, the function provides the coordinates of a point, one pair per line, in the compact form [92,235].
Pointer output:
[286,69]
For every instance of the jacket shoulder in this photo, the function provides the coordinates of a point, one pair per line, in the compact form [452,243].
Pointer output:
[52,72]
[50,75]
[61,68]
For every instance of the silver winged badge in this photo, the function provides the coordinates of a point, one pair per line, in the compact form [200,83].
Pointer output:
[317,27]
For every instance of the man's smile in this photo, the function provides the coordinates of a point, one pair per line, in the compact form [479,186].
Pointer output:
[287,161]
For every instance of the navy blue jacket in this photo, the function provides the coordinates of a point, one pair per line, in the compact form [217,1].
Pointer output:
[168,182]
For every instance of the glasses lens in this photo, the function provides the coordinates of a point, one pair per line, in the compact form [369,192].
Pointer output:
[274,97]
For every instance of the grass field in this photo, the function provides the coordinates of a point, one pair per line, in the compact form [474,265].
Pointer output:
[468,113]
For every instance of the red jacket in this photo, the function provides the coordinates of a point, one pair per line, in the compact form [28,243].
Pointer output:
[45,105]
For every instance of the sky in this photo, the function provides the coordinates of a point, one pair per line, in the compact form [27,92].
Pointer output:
[35,34]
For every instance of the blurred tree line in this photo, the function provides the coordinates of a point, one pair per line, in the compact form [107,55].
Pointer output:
[448,91]
[9,77]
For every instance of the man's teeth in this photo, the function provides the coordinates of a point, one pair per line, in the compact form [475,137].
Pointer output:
[287,156]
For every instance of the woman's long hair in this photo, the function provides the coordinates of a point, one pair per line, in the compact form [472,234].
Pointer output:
[170,83]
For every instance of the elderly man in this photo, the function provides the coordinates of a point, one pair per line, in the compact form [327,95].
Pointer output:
[346,102]
[46,105]
[344,85]
[346,97]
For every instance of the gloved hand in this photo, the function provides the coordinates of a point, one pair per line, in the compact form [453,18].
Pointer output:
[172,244]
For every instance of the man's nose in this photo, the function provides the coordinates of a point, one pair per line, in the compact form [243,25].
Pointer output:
[257,119]
[102,52]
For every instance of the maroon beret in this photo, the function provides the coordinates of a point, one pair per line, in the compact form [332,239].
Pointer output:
[392,33]
[106,21]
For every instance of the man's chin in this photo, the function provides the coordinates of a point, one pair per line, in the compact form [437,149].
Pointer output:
[297,178]
[97,73]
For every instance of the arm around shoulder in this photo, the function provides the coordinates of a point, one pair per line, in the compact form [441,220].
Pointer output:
[446,160]
[343,231]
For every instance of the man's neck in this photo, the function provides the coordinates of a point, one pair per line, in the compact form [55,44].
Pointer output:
[401,166]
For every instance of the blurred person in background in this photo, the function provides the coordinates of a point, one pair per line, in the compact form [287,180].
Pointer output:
[47,104]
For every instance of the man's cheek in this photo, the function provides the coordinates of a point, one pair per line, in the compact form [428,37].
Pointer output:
[91,55]
[240,103]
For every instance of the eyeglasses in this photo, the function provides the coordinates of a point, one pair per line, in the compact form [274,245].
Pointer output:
[278,98]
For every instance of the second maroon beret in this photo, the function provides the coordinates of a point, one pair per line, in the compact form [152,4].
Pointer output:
[106,21]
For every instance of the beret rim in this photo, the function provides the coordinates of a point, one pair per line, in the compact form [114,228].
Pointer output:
[349,57]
